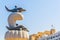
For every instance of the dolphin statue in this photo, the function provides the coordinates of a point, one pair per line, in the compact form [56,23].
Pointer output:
[15,9]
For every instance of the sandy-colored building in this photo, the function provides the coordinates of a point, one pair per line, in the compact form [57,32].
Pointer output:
[42,34]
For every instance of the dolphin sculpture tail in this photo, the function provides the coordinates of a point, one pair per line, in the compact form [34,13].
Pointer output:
[13,10]
[7,9]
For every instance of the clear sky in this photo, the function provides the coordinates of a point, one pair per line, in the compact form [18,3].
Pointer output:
[40,15]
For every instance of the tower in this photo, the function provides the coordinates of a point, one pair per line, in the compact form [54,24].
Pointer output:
[15,31]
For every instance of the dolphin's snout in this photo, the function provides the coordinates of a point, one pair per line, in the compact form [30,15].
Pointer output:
[22,10]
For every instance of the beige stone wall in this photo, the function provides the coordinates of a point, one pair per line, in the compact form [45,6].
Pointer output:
[41,34]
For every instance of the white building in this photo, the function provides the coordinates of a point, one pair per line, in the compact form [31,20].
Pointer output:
[55,36]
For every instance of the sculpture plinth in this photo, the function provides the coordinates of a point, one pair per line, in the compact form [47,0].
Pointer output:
[15,31]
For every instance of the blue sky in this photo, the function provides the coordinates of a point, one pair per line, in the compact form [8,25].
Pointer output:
[40,15]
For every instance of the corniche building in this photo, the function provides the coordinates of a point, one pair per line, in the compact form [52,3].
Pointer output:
[55,36]
[46,35]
